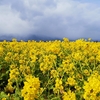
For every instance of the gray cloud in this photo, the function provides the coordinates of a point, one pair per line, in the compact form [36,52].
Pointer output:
[53,18]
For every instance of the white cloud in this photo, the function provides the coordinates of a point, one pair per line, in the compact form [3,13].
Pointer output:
[11,23]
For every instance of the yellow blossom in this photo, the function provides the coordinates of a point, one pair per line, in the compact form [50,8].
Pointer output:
[31,88]
[69,95]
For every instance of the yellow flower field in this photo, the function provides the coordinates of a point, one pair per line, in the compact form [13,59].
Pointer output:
[51,70]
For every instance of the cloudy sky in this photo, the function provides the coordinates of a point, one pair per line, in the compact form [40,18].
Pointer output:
[50,18]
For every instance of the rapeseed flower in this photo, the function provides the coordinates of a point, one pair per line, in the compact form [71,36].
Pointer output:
[31,88]
[69,95]
[71,81]
[58,86]
[92,87]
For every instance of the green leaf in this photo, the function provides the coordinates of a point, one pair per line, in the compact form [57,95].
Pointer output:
[56,98]
[3,95]
[0,67]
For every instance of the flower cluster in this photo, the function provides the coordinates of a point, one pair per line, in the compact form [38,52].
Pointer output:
[31,88]
[92,87]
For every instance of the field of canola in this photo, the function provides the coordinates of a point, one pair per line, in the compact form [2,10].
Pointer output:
[51,70]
